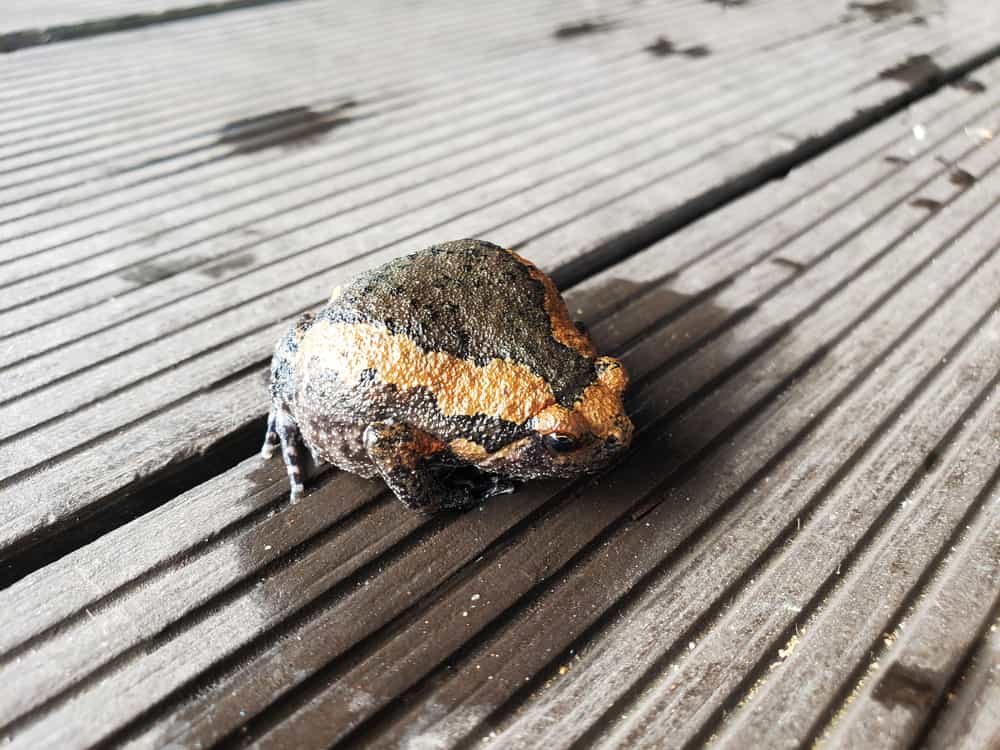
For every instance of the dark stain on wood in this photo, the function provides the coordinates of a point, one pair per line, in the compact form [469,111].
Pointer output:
[893,159]
[907,686]
[915,70]
[583,28]
[957,175]
[961,178]
[793,264]
[698,50]
[928,203]
[294,126]
[218,270]
[150,273]
[883,11]
[970,85]
[662,47]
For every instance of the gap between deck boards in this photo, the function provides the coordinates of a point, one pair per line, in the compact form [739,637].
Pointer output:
[12,41]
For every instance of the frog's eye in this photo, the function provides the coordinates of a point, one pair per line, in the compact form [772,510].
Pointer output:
[558,442]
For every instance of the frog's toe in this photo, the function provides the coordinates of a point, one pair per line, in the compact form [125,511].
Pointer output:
[271,439]
[499,486]
[478,484]
[288,435]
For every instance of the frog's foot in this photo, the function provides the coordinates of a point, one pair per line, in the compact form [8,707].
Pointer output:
[500,486]
[485,485]
[409,460]
[281,428]
[271,439]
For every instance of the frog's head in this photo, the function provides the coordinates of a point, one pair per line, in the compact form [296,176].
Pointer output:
[566,442]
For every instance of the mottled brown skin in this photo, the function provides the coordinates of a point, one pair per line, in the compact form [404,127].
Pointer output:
[461,355]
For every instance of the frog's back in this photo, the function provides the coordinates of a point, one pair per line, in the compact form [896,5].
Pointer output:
[477,302]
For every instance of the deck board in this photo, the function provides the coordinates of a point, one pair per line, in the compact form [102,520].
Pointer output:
[25,26]
[68,12]
[802,545]
[950,616]
[969,721]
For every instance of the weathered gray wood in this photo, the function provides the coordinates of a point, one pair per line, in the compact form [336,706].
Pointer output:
[225,571]
[760,621]
[182,127]
[848,308]
[396,203]
[127,455]
[868,604]
[917,670]
[20,17]
[616,91]
[641,195]
[799,357]
[968,720]
[619,651]
[124,557]
[166,388]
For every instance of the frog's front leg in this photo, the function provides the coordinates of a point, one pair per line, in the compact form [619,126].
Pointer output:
[407,458]
[281,428]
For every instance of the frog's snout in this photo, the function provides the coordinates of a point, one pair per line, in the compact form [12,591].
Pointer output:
[620,436]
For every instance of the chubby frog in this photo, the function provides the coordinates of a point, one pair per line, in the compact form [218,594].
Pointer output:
[450,373]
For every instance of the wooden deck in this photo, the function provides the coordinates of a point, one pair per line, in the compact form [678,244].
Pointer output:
[782,214]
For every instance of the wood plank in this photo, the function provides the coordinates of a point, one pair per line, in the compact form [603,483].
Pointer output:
[155,134]
[968,720]
[480,530]
[513,654]
[617,82]
[871,602]
[764,615]
[61,13]
[814,386]
[116,398]
[395,204]
[915,673]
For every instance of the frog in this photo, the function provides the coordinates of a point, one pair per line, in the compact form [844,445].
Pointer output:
[454,373]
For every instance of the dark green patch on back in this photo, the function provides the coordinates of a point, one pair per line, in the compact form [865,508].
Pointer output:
[473,300]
